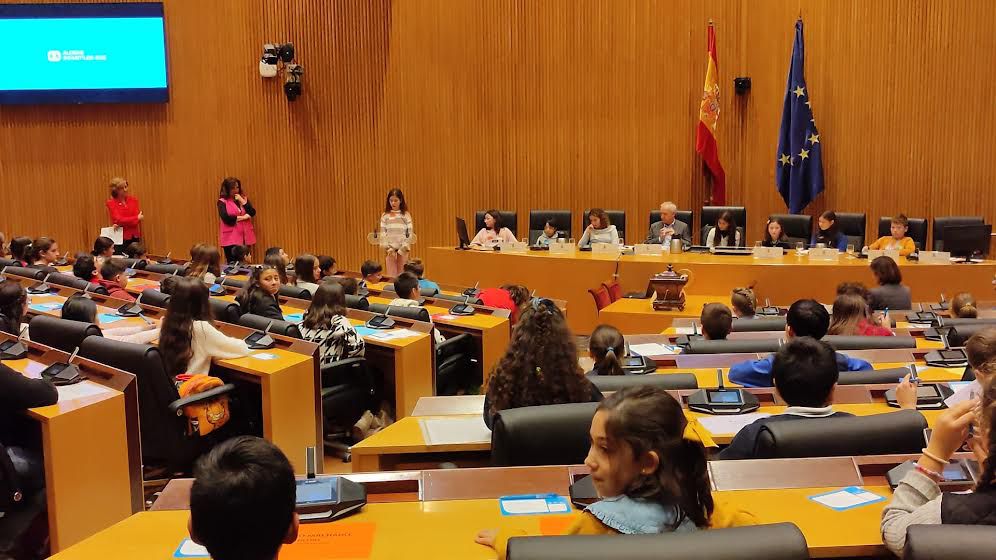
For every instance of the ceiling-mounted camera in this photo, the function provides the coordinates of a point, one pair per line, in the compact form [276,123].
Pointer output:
[292,85]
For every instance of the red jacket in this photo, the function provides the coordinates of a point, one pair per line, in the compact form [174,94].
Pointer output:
[125,214]
[867,328]
[499,299]
[115,290]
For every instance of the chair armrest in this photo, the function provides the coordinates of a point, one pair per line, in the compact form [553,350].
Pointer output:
[176,406]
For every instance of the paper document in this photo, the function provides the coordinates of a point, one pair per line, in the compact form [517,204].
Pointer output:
[847,498]
[190,549]
[652,349]
[394,334]
[81,390]
[730,424]
[964,393]
[45,307]
[445,431]
[107,318]
[683,330]
[115,234]
[532,504]
[294,317]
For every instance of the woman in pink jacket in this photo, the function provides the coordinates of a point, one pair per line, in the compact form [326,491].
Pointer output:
[235,212]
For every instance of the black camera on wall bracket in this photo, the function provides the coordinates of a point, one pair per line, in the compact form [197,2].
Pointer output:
[281,56]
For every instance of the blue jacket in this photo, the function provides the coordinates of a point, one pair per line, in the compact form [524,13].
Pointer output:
[744,444]
[841,242]
[757,373]
[424,285]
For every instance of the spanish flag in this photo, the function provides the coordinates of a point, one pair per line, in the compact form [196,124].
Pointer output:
[705,135]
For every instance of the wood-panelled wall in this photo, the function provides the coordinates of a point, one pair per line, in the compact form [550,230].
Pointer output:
[513,104]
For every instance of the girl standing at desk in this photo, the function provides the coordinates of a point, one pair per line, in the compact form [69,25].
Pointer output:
[396,228]
[599,230]
[492,233]
[828,233]
[236,213]
[125,212]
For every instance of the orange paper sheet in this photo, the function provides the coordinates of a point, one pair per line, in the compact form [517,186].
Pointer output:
[318,541]
[552,525]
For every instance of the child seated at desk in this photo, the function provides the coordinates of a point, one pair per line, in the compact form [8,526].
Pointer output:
[113,279]
[278,259]
[306,272]
[205,263]
[135,250]
[85,268]
[806,317]
[350,286]
[897,241]
[326,267]
[851,317]
[242,500]
[416,267]
[717,321]
[103,249]
[188,338]
[259,295]
[963,306]
[20,247]
[83,309]
[43,253]
[805,375]
[326,325]
[606,345]
[371,272]
[744,303]
[13,307]
[492,233]
[409,294]
[548,236]
[650,472]
[509,296]
[540,365]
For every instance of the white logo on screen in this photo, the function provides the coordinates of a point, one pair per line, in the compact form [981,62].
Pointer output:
[54,56]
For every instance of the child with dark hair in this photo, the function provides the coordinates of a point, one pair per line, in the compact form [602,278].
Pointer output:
[744,303]
[277,260]
[851,317]
[103,249]
[13,307]
[188,338]
[606,346]
[326,266]
[326,325]
[717,321]
[242,500]
[409,294]
[259,296]
[85,267]
[205,263]
[540,365]
[549,234]
[84,310]
[898,240]
[513,297]
[416,267]
[135,250]
[350,286]
[113,279]
[20,249]
[651,477]
[43,254]
[371,272]
[805,375]
[307,272]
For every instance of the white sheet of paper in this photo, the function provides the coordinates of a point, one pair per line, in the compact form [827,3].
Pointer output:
[264,356]
[116,234]
[394,334]
[81,390]
[190,548]
[525,506]
[443,431]
[843,499]
[730,424]
[963,394]
[683,330]
[652,349]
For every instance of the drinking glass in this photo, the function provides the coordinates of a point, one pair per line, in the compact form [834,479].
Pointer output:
[799,248]
[850,250]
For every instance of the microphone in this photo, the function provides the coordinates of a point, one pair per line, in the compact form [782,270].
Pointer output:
[218,288]
[14,349]
[472,291]
[132,309]
[381,321]
[3,276]
[463,308]
[86,290]
[41,288]
[719,377]
[67,374]
[166,259]
[266,340]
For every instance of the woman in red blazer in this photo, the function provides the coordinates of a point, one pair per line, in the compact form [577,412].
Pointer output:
[125,212]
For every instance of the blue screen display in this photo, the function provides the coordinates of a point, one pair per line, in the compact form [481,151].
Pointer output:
[86,53]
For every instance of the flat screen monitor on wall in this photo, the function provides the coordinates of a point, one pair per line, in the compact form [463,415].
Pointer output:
[83,53]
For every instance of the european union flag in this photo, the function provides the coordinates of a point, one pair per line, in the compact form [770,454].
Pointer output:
[799,166]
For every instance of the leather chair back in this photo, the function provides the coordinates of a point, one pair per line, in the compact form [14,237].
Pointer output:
[759,324]
[853,225]
[555,434]
[234,282]
[456,298]
[608,383]
[127,262]
[71,281]
[561,219]
[878,434]
[413,313]
[798,227]
[709,214]
[291,291]
[916,230]
[258,322]
[166,269]
[872,376]
[842,342]
[959,334]
[781,541]
[7,262]
[509,219]
[162,432]
[60,333]
[742,346]
[225,311]
[155,298]
[941,222]
[616,218]
[937,542]
[455,368]
[25,272]
[357,302]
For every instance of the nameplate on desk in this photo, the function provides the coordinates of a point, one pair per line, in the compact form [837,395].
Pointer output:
[514,247]
[648,249]
[824,254]
[605,249]
[563,248]
[768,252]
[874,254]
[935,257]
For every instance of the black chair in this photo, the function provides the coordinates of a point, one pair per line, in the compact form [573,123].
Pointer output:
[937,234]
[8,262]
[853,226]
[234,282]
[798,227]
[616,218]
[347,392]
[295,292]
[878,434]
[456,368]
[509,219]
[842,342]
[607,383]
[225,311]
[561,220]
[73,282]
[461,299]
[135,264]
[20,508]
[167,269]
[702,346]
[941,542]
[872,376]
[960,333]
[759,324]
[709,214]
[60,333]
[25,272]
[167,450]
[686,217]
[260,323]
[155,298]
[781,541]
[916,230]
[357,302]
[555,434]
[429,292]
[413,313]
[704,235]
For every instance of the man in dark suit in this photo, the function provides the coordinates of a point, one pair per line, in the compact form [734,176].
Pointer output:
[669,227]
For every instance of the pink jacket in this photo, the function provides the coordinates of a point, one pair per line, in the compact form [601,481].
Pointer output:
[232,231]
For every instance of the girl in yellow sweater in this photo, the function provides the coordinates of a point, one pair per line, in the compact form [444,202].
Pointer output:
[898,239]
[652,479]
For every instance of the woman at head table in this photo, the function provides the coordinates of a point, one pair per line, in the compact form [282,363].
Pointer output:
[492,233]
[599,230]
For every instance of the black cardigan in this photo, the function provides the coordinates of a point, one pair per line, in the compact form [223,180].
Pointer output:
[18,393]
